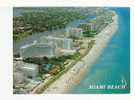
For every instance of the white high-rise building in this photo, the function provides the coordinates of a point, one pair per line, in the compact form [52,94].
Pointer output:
[75,32]
[64,43]
[30,70]
[46,46]
[23,71]
[38,50]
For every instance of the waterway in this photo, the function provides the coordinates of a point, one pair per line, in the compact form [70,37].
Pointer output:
[36,36]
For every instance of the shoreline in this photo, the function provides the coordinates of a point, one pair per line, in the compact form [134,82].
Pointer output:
[76,73]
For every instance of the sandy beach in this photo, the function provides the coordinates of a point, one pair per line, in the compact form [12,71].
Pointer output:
[76,73]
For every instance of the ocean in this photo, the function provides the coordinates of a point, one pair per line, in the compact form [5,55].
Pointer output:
[113,66]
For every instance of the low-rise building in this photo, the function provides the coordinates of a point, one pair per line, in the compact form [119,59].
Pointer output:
[67,52]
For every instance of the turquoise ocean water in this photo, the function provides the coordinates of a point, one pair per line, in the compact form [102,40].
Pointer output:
[113,66]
